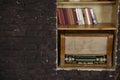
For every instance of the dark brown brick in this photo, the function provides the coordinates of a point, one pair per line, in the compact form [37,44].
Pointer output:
[28,43]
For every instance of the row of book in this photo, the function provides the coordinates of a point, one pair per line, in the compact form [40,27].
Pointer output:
[79,16]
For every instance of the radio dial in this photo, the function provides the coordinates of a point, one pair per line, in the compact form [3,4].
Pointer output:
[73,59]
[66,59]
[97,59]
[101,59]
[82,59]
[70,59]
[104,59]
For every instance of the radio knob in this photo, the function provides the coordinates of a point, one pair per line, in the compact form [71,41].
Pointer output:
[66,59]
[97,59]
[70,59]
[104,59]
[73,59]
[80,63]
[84,63]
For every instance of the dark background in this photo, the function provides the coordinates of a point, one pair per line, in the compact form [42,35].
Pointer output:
[28,43]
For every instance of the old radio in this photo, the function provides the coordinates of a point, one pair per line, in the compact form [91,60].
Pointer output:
[86,50]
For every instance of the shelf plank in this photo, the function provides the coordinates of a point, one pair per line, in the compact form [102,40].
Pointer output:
[85,2]
[85,65]
[99,26]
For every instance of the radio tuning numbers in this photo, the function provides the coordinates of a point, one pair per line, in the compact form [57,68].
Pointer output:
[84,59]
[69,59]
[80,63]
[97,59]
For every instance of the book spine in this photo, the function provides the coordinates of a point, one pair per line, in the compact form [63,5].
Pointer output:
[62,16]
[90,16]
[68,15]
[59,16]
[65,15]
[93,16]
[72,17]
[78,16]
[87,15]
[75,16]
[81,16]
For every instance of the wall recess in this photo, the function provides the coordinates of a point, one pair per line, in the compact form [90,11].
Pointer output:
[86,38]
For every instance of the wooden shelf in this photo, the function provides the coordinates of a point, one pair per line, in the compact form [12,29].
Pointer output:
[99,26]
[85,65]
[87,2]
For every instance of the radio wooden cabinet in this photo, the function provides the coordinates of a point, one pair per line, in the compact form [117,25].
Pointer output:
[86,39]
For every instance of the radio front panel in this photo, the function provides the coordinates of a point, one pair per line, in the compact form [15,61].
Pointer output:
[86,50]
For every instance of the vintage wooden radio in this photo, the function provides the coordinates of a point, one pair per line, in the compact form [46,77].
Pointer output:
[86,50]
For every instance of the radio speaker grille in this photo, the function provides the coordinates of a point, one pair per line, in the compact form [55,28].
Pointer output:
[85,45]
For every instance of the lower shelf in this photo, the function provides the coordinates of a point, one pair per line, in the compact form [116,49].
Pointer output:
[94,49]
[85,65]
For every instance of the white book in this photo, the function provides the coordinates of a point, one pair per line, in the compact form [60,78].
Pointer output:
[93,16]
[81,16]
[78,16]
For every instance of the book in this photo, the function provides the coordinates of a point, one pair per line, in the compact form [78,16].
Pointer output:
[88,17]
[59,16]
[62,16]
[79,16]
[75,16]
[65,16]
[93,16]
[72,16]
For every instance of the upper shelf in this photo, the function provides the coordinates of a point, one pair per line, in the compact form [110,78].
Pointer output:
[85,2]
[99,26]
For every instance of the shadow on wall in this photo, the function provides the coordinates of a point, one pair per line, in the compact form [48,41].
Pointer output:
[117,74]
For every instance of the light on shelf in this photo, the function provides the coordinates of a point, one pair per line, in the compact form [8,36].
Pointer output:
[74,0]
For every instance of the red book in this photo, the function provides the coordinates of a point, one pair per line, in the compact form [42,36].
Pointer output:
[62,16]
[75,16]
[68,15]
[90,16]
[85,16]
[65,15]
[59,16]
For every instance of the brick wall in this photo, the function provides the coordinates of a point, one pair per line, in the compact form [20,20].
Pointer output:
[28,43]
